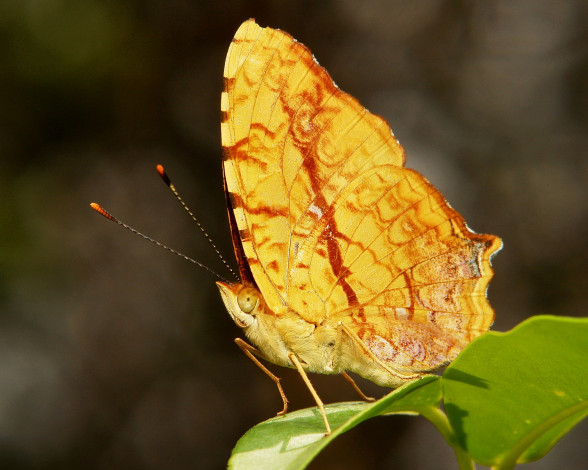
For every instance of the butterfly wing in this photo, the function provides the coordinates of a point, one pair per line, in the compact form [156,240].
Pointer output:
[330,223]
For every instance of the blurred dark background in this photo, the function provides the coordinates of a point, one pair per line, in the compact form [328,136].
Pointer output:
[116,354]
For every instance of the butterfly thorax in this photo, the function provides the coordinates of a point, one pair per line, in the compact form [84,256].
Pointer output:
[277,334]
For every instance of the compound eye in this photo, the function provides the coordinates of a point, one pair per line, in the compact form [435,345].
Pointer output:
[247,299]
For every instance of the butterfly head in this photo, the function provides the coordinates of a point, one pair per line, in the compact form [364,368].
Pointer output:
[243,302]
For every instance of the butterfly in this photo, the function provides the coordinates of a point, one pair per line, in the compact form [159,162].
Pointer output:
[349,262]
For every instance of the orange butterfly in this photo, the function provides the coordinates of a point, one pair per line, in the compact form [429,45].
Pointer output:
[349,261]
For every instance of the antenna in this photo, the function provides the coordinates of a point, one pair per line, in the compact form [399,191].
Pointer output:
[171,186]
[98,208]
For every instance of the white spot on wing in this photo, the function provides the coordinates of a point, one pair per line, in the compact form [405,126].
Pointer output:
[316,210]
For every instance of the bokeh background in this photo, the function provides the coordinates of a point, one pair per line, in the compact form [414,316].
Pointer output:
[116,354]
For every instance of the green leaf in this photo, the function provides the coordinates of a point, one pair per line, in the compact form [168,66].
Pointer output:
[511,396]
[545,443]
[292,441]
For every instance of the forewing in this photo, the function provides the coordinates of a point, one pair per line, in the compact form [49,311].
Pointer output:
[293,143]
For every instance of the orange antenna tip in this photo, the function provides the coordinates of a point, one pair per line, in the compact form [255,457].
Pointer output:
[163,174]
[98,208]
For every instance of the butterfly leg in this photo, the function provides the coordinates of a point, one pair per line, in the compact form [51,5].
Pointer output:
[356,387]
[346,376]
[319,402]
[250,352]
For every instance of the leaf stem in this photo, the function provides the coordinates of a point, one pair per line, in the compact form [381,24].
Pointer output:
[440,421]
